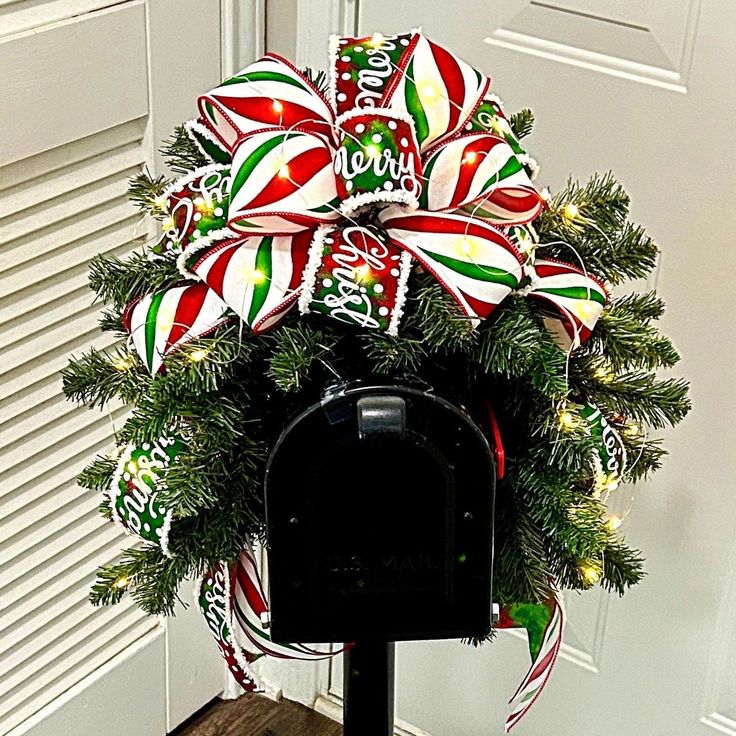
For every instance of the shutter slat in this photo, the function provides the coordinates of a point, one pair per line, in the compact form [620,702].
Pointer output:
[65,586]
[48,186]
[27,259]
[45,459]
[48,364]
[69,546]
[45,417]
[66,206]
[57,158]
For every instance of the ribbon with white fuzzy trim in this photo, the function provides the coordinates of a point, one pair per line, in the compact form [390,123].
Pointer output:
[235,608]
[135,490]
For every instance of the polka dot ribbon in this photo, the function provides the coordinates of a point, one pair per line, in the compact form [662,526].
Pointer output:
[407,138]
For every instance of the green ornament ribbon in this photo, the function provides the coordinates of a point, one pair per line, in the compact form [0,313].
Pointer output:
[136,488]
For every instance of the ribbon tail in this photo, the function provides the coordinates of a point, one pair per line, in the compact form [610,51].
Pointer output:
[251,615]
[213,599]
[543,663]
[472,260]
[577,298]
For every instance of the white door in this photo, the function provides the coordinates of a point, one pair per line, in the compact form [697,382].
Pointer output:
[645,89]
[89,88]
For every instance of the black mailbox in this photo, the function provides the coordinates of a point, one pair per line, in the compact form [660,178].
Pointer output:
[379,504]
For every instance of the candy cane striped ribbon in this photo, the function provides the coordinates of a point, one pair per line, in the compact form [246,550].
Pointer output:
[162,322]
[259,277]
[544,661]
[283,181]
[577,297]
[235,607]
[476,263]
[481,174]
[269,92]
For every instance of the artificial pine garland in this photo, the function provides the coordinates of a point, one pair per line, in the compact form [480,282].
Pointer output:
[224,397]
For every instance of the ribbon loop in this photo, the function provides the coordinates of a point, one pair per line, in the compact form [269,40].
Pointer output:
[578,298]
[259,277]
[283,181]
[480,173]
[162,322]
[476,263]
[269,92]
[355,275]
[377,160]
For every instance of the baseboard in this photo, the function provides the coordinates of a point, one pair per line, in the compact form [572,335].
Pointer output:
[331,706]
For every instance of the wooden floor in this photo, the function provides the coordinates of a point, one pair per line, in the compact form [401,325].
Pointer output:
[255,715]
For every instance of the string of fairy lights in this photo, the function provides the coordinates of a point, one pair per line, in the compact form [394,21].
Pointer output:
[570,217]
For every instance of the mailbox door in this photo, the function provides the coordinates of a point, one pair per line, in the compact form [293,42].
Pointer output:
[386,533]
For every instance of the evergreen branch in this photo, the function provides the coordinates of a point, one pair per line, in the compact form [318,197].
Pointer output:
[296,349]
[514,343]
[145,191]
[181,152]
[438,317]
[644,457]
[639,395]
[625,337]
[522,123]
[111,321]
[97,377]
[395,355]
[152,579]
[622,567]
[318,77]
[97,476]
[119,281]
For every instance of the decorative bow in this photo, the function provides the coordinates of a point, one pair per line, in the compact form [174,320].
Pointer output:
[407,128]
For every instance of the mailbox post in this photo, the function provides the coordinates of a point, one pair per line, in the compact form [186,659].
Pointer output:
[379,506]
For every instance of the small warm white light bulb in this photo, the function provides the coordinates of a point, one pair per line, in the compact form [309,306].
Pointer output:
[167,224]
[123,362]
[466,246]
[614,522]
[604,374]
[284,171]
[633,429]
[470,157]
[570,211]
[566,419]
[584,309]
[591,574]
[361,272]
[121,582]
[373,151]
[278,107]
[545,194]
[430,90]
[377,40]
[197,355]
